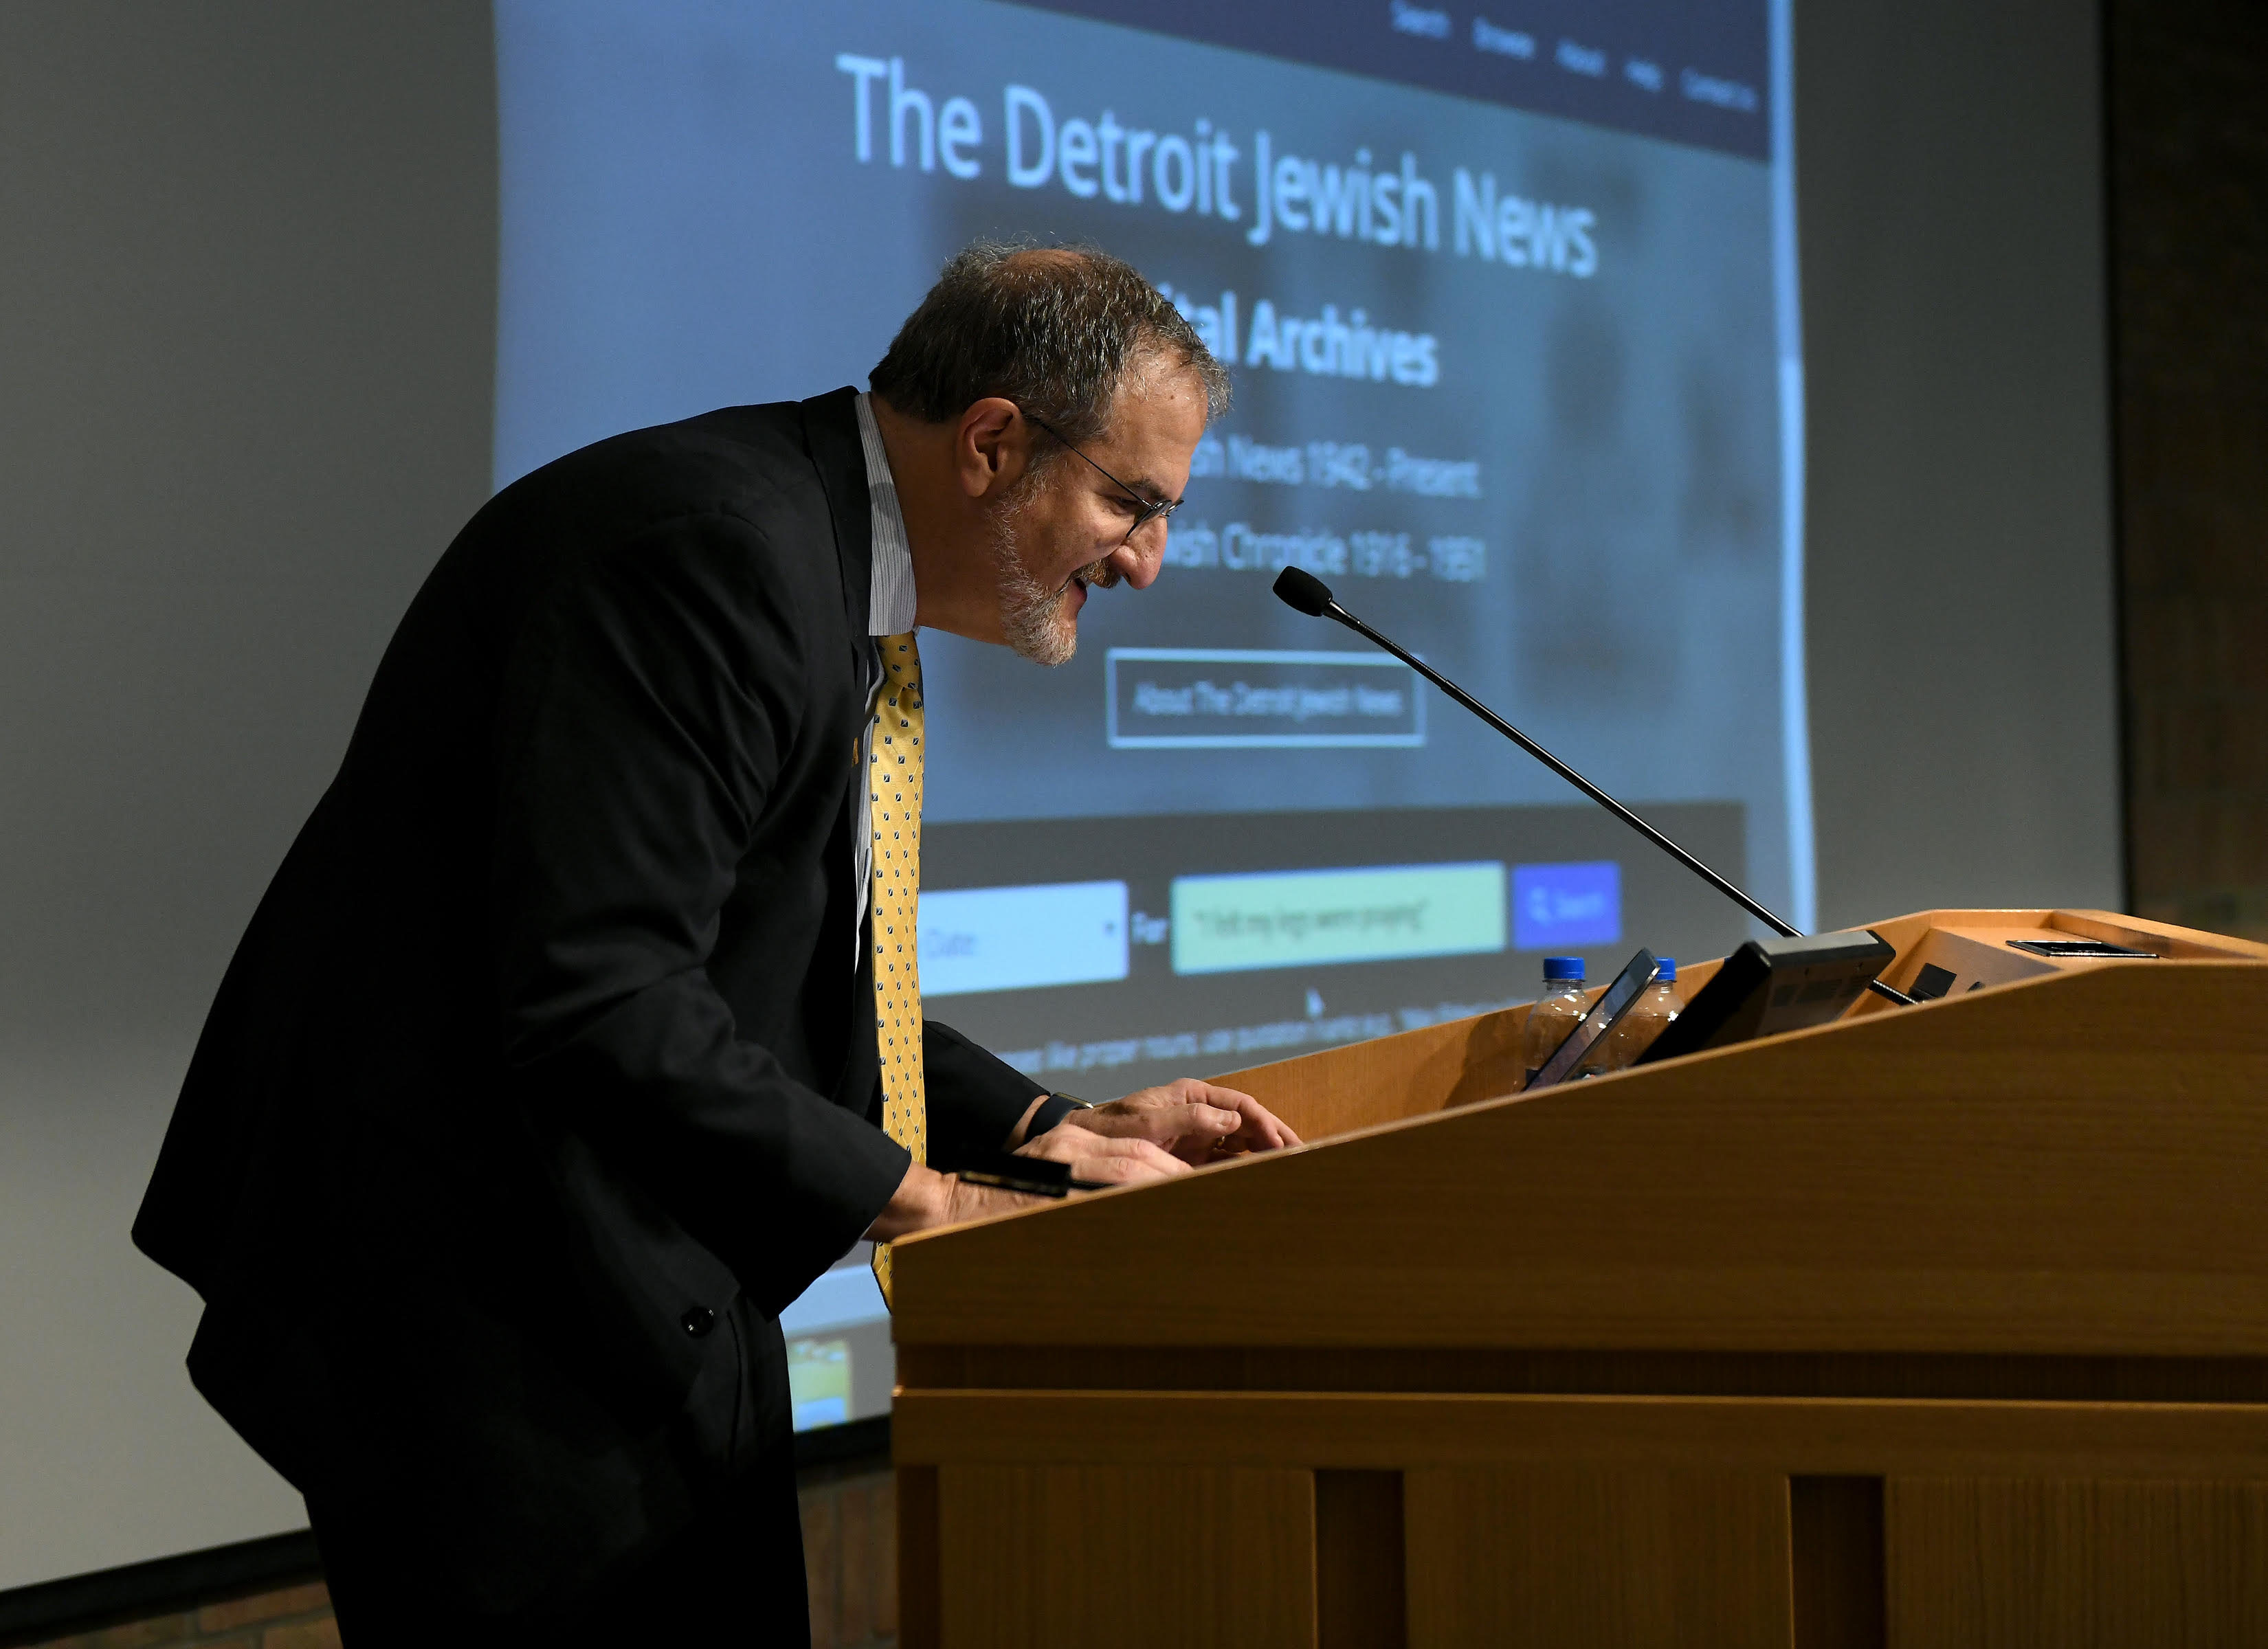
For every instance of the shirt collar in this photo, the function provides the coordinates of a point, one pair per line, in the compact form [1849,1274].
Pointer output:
[890,607]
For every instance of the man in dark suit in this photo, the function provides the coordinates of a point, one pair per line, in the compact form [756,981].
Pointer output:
[554,1064]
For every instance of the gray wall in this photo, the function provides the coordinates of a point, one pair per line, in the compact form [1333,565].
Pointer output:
[247,331]
[246,296]
[1963,710]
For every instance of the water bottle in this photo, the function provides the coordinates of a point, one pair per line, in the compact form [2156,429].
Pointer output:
[1550,1020]
[1648,1017]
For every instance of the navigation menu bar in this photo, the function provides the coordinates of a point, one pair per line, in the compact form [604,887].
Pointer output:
[1693,73]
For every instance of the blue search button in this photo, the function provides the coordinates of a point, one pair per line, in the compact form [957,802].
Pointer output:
[1566,907]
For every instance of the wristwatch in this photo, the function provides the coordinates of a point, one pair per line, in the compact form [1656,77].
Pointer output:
[1052,1111]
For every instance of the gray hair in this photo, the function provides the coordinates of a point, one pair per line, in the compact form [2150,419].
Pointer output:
[1057,330]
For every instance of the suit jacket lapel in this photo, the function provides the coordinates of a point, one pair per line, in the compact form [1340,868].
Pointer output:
[830,428]
[831,425]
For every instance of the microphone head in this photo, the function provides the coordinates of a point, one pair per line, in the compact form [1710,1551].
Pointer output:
[1297,587]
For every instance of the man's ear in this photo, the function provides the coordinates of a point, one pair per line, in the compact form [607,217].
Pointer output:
[991,447]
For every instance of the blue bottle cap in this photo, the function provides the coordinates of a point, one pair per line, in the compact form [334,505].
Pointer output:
[1668,974]
[1560,967]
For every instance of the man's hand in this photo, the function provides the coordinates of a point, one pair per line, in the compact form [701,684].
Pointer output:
[1195,1121]
[1153,1134]
[1103,1160]
[925,1198]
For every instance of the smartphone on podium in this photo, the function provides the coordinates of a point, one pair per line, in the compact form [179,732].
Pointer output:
[1606,1012]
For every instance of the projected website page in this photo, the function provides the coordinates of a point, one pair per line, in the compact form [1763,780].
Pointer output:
[1508,298]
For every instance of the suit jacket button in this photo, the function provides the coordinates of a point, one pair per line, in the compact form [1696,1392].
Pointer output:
[697,1320]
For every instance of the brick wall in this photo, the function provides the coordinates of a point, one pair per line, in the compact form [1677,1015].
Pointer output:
[850,1556]
[2188,169]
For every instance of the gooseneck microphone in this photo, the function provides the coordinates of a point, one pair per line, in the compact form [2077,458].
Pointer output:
[1300,589]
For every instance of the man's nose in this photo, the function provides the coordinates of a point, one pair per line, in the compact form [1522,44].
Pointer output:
[1138,560]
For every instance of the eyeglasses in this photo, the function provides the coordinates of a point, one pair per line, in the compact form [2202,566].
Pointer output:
[1146,509]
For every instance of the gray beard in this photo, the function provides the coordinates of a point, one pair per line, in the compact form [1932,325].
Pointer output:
[1034,619]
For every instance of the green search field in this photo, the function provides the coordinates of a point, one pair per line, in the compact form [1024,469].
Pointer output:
[1303,918]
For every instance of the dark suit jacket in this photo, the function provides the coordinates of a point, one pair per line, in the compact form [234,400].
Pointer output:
[554,1031]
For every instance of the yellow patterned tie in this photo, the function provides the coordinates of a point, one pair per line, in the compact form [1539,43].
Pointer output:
[894,792]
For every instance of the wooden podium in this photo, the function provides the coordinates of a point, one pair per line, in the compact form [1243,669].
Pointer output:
[1936,1326]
